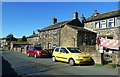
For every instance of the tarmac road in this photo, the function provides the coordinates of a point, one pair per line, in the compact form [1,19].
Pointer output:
[15,63]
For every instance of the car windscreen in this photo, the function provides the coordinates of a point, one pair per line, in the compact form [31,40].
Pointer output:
[38,48]
[73,50]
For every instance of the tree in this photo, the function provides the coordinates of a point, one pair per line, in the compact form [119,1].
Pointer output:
[23,39]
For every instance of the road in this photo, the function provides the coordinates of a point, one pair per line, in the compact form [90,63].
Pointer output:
[15,63]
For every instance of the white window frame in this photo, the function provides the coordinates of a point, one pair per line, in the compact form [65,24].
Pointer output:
[110,21]
[97,26]
[55,32]
[117,21]
[101,23]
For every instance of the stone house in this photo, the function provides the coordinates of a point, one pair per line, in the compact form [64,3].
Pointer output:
[67,33]
[7,40]
[33,39]
[107,26]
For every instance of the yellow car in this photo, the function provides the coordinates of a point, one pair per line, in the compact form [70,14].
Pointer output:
[71,55]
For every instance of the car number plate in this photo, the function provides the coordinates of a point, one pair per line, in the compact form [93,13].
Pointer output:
[86,59]
[43,54]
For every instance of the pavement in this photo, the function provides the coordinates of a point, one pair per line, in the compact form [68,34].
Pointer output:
[18,64]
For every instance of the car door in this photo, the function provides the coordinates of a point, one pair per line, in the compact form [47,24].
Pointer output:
[64,54]
[56,53]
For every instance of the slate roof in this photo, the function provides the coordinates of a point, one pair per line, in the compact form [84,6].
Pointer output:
[74,22]
[34,35]
[106,15]
[82,29]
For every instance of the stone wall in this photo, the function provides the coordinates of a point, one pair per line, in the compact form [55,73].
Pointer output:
[90,25]
[46,40]
[116,58]
[114,32]
[88,48]
[68,37]
[96,56]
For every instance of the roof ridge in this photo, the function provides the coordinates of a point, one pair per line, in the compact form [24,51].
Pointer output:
[110,11]
[58,23]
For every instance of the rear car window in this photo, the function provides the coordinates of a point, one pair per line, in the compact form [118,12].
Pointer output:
[38,48]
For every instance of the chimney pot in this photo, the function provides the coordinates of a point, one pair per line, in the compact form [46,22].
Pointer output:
[95,11]
[54,20]
[75,15]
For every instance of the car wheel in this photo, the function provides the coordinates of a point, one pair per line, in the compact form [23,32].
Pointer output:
[71,62]
[35,56]
[28,55]
[54,59]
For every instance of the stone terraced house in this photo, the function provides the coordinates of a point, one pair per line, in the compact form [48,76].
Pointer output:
[107,26]
[33,39]
[67,33]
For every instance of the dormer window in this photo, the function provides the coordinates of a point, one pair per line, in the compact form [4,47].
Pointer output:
[111,22]
[103,24]
[117,21]
[97,24]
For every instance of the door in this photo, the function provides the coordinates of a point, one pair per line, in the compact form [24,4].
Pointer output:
[64,54]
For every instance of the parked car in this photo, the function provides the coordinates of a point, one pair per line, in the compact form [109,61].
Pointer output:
[50,51]
[37,51]
[71,55]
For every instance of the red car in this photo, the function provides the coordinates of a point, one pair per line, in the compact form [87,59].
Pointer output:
[37,51]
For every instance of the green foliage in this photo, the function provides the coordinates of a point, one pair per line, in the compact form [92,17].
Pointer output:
[84,43]
[98,65]
[20,40]
[113,66]
[23,39]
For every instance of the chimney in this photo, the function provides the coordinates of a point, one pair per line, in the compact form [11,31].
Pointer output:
[96,13]
[54,20]
[83,20]
[33,32]
[75,15]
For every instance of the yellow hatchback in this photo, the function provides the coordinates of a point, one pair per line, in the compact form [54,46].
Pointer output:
[71,55]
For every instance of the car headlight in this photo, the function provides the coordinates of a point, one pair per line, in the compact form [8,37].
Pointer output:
[78,57]
[38,52]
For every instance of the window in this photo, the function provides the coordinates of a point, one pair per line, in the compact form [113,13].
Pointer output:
[55,33]
[31,48]
[57,50]
[63,50]
[49,34]
[73,50]
[37,39]
[111,22]
[97,24]
[38,48]
[40,35]
[34,39]
[44,35]
[49,45]
[117,21]
[103,24]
